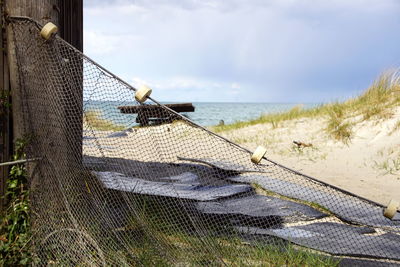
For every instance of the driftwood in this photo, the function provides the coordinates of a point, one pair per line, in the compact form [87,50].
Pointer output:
[301,144]
[182,107]
[156,113]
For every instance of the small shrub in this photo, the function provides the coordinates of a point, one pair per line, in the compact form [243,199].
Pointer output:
[15,223]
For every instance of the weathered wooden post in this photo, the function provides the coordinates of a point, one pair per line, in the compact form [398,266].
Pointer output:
[42,11]
[68,16]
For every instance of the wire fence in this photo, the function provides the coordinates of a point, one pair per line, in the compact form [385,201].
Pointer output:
[110,190]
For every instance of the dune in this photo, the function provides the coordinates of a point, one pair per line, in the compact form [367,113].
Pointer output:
[354,145]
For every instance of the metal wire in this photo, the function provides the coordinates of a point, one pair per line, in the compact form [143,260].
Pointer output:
[10,163]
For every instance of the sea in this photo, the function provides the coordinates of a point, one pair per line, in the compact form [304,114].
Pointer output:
[205,114]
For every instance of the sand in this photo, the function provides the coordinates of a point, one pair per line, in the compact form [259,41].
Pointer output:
[369,165]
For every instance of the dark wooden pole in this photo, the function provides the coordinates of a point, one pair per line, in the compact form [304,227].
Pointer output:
[68,16]
[71,30]
[71,21]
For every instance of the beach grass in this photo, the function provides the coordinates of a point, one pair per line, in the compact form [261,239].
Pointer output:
[94,119]
[389,166]
[193,251]
[376,102]
[165,236]
[396,127]
[337,126]
[160,233]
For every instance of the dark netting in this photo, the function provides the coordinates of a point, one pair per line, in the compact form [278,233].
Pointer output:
[120,189]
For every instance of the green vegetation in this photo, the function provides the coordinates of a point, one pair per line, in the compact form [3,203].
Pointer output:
[338,128]
[231,252]
[164,236]
[4,102]
[377,102]
[94,119]
[396,127]
[15,223]
[4,99]
[388,161]
[311,153]
[159,232]
[274,119]
[390,166]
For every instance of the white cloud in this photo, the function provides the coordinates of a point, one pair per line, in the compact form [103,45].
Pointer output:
[192,89]
[277,45]
[182,82]
[98,43]
[230,5]
[113,9]
[235,86]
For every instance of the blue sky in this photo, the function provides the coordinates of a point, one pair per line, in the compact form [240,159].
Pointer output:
[245,50]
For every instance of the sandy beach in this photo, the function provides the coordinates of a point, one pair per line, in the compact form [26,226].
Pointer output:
[369,165]
[366,164]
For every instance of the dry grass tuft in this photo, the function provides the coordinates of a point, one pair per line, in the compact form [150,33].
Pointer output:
[338,128]
[94,119]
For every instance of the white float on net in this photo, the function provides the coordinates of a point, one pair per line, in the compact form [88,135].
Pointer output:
[258,154]
[391,209]
[142,93]
[48,30]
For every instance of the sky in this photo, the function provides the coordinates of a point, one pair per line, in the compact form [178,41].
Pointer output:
[292,51]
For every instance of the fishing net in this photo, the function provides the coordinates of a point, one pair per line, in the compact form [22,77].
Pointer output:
[154,188]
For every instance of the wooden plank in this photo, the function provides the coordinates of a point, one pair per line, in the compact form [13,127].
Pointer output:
[154,109]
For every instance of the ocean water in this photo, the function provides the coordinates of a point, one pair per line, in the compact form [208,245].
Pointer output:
[206,114]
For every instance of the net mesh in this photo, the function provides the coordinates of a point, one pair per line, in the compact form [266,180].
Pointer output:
[154,188]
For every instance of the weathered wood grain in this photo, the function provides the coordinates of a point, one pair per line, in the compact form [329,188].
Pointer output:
[43,11]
